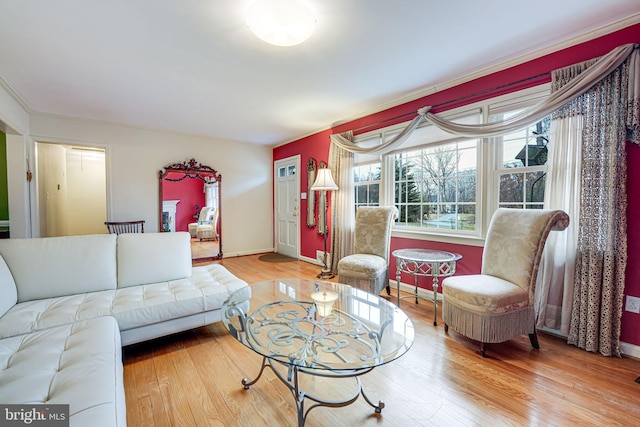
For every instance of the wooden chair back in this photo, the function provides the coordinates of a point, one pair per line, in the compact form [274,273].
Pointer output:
[125,227]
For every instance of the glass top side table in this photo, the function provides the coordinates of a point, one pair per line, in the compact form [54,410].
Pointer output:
[425,262]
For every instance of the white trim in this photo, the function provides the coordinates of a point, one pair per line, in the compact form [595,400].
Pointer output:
[310,260]
[630,350]
[439,87]
[297,160]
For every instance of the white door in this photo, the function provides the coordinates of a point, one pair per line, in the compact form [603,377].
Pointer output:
[287,205]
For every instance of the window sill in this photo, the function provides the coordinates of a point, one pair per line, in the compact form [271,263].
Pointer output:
[457,239]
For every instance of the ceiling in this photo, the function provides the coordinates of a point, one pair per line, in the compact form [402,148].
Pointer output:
[194,67]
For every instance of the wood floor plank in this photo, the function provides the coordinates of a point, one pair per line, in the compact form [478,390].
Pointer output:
[194,379]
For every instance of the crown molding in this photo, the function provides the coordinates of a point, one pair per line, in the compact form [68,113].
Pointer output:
[438,87]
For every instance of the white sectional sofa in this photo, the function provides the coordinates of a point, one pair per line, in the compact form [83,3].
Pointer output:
[67,304]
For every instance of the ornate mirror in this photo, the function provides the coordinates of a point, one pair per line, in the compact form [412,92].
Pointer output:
[190,201]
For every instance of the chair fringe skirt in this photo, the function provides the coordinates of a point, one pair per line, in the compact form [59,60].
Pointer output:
[489,327]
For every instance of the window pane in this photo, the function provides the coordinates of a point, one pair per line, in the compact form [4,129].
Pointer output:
[535,186]
[367,184]
[435,185]
[291,170]
[527,147]
[511,187]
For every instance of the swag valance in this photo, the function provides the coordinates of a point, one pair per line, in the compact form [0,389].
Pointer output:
[602,67]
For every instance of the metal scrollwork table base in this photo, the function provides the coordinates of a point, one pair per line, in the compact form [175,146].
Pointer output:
[425,262]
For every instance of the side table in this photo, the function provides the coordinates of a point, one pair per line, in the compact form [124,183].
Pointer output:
[425,262]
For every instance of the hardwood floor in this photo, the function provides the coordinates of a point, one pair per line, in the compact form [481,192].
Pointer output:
[193,379]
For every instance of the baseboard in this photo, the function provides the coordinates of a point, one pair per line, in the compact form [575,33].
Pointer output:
[245,253]
[630,350]
[411,289]
[310,260]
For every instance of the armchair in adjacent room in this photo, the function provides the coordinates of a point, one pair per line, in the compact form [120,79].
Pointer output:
[208,230]
[498,304]
[368,267]
[203,218]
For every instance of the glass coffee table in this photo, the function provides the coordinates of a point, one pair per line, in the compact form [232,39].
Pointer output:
[311,332]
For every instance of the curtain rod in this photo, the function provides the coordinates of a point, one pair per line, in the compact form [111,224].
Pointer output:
[413,113]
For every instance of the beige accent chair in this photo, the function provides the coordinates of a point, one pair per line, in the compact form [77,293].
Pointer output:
[498,304]
[208,230]
[202,219]
[368,267]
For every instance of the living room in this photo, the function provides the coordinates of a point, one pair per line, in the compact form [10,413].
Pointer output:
[136,153]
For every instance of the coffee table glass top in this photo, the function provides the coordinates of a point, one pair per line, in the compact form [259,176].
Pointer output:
[279,320]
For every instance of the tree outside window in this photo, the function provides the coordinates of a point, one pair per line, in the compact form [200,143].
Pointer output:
[435,188]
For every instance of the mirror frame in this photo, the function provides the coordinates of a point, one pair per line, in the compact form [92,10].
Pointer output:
[194,170]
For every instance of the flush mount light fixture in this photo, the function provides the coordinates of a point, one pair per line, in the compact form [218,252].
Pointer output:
[281,22]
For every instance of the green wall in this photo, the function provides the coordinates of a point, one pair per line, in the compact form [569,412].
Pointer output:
[4,189]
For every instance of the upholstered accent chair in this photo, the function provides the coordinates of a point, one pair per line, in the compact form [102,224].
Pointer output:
[368,267]
[498,304]
[203,218]
[208,230]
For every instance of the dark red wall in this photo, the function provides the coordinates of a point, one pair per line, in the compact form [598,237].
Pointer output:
[534,72]
[190,192]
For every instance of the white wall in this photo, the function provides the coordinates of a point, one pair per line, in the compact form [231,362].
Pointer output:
[14,121]
[135,155]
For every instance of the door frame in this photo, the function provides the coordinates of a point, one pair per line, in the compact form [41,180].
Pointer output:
[276,198]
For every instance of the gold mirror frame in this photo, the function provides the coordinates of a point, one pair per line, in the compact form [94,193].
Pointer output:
[191,170]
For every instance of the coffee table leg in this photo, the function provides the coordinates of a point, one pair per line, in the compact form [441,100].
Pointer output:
[378,408]
[246,383]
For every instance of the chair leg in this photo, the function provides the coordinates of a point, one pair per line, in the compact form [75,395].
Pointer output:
[388,290]
[446,327]
[483,349]
[534,340]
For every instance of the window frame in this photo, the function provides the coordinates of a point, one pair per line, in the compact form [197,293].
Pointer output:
[488,155]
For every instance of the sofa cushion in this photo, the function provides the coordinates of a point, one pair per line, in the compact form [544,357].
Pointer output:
[132,307]
[58,266]
[153,257]
[78,364]
[8,291]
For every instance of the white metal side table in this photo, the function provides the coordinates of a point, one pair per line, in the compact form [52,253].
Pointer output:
[425,262]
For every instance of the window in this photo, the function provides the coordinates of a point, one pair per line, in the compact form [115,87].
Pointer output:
[367,184]
[521,167]
[445,186]
[286,171]
[435,187]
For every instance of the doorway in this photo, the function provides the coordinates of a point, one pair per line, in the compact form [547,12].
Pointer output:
[287,206]
[72,190]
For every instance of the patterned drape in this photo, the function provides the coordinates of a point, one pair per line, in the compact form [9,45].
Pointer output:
[609,112]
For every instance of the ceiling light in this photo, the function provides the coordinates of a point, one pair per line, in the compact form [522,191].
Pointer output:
[281,22]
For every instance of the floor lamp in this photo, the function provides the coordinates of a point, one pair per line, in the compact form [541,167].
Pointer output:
[324,181]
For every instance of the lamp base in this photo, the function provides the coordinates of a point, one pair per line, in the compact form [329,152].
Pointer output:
[326,274]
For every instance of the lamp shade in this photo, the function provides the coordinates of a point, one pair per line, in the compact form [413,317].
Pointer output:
[324,301]
[280,22]
[324,181]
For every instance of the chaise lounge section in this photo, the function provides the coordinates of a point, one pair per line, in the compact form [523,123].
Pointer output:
[97,292]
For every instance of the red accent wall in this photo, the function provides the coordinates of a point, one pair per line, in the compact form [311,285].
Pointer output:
[317,146]
[630,332]
[190,193]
